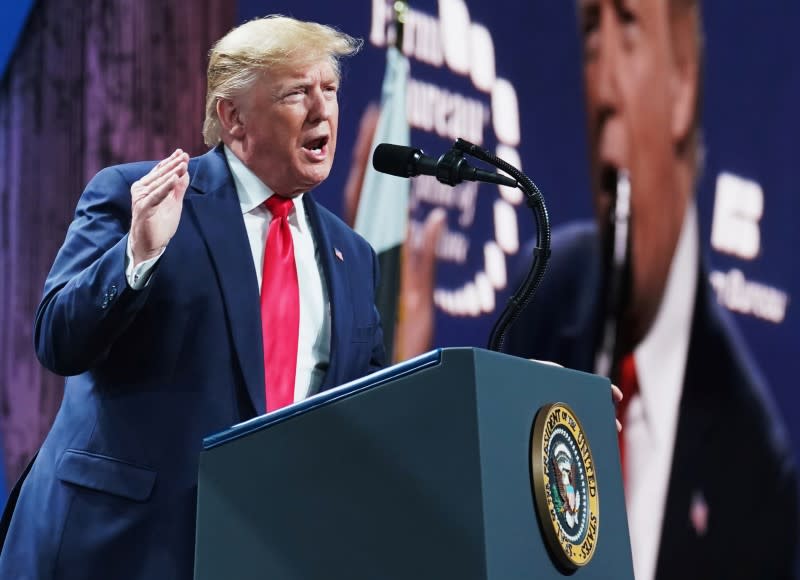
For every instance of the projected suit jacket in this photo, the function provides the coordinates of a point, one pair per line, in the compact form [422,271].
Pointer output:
[112,492]
[730,443]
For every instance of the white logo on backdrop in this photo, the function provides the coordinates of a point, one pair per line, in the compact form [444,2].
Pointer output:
[735,230]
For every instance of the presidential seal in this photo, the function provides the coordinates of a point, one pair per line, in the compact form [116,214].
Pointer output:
[564,485]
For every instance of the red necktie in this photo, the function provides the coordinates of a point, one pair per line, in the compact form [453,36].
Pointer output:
[629,385]
[280,307]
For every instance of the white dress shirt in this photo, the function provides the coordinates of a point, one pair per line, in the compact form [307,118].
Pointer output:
[651,420]
[314,337]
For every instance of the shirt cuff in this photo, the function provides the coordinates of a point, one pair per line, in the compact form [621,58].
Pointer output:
[138,276]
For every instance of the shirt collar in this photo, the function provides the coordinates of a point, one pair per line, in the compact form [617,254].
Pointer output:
[661,356]
[253,192]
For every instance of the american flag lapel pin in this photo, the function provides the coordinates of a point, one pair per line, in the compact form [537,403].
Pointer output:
[338,253]
[698,513]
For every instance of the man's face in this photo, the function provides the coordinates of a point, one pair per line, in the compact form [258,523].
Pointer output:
[632,84]
[288,127]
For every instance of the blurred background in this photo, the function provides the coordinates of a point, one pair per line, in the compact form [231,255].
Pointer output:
[90,83]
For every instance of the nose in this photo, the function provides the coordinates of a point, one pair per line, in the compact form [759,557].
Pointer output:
[321,105]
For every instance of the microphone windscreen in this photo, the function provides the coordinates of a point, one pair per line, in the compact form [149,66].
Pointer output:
[394,159]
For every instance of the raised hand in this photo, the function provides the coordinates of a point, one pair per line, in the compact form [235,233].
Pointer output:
[359,161]
[156,202]
[415,325]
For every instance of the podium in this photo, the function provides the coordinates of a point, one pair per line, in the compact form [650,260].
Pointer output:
[422,470]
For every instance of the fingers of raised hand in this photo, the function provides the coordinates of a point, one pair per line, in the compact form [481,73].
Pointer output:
[425,259]
[616,394]
[547,362]
[421,250]
[181,185]
[161,190]
[165,167]
[155,186]
[166,160]
[152,193]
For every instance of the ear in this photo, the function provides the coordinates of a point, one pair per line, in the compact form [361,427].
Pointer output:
[230,118]
[685,86]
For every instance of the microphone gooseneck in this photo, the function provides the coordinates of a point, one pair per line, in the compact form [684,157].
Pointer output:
[541,253]
[452,168]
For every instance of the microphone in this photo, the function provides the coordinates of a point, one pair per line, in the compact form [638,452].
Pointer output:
[451,168]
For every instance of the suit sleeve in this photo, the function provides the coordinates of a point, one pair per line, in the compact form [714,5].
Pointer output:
[87,303]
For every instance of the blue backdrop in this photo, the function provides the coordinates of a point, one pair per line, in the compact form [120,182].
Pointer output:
[750,122]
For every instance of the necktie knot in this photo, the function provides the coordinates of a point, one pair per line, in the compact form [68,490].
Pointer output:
[279,206]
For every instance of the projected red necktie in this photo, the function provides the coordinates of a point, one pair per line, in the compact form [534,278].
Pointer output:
[629,385]
[280,307]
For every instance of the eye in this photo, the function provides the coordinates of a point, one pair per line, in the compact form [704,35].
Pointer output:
[590,27]
[626,14]
[330,91]
[293,95]
[628,18]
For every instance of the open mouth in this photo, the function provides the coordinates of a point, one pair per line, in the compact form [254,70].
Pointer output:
[316,146]
[609,174]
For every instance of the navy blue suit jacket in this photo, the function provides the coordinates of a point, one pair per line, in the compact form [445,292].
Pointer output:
[731,448]
[112,492]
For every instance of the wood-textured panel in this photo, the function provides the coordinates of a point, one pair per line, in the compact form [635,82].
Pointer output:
[92,83]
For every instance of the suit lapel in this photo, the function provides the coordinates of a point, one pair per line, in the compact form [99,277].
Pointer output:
[692,474]
[214,204]
[336,283]
[578,340]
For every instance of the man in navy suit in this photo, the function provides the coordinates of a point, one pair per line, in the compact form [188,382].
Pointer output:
[711,485]
[152,310]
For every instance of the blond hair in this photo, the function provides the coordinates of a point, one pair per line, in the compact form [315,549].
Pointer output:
[264,44]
